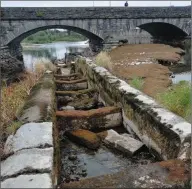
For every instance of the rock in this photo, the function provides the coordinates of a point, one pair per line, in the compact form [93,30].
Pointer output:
[84,174]
[126,135]
[85,137]
[28,181]
[67,108]
[106,117]
[72,157]
[27,160]
[65,71]
[30,135]
[84,104]
[48,72]
[122,143]
[185,150]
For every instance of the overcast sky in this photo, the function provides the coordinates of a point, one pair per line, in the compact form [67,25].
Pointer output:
[90,3]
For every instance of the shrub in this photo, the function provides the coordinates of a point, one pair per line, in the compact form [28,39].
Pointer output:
[177,99]
[104,60]
[137,82]
[43,64]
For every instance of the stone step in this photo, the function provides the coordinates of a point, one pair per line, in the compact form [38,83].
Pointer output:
[72,85]
[69,77]
[106,117]
[123,143]
[70,82]
[166,174]
[76,93]
[85,138]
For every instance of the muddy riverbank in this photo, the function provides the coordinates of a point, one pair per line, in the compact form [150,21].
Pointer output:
[151,62]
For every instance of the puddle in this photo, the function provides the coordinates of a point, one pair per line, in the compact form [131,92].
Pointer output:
[79,162]
[88,163]
[186,76]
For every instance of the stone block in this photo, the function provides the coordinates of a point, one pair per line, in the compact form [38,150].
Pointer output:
[30,135]
[106,117]
[85,137]
[65,71]
[28,181]
[73,85]
[123,143]
[27,161]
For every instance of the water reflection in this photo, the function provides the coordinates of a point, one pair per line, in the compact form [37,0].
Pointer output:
[51,51]
[182,76]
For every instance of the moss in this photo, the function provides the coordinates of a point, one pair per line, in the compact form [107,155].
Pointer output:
[13,127]
[178,171]
[39,14]
[87,114]
[85,137]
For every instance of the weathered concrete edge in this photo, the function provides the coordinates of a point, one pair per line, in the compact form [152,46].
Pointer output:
[49,119]
[167,121]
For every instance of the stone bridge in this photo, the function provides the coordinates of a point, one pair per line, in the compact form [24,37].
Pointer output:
[101,25]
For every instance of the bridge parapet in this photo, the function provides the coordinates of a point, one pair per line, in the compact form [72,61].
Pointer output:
[37,13]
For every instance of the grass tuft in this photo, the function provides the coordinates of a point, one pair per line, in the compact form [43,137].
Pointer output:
[104,60]
[13,96]
[177,99]
[137,82]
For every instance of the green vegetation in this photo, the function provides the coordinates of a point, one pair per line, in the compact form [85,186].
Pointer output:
[49,36]
[104,60]
[39,14]
[137,82]
[177,99]
[13,96]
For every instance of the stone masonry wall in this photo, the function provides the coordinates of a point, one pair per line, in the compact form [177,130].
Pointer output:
[162,131]
[94,12]
[10,65]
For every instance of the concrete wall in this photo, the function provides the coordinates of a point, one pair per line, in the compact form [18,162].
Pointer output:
[162,131]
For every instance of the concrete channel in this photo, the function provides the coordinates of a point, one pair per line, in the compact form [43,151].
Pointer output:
[73,136]
[96,148]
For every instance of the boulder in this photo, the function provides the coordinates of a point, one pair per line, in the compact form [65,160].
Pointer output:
[27,161]
[28,181]
[30,135]
[123,143]
[85,137]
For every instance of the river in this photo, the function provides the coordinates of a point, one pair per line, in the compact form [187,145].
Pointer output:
[58,49]
[33,52]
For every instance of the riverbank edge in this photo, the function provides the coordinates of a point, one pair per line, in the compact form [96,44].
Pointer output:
[161,130]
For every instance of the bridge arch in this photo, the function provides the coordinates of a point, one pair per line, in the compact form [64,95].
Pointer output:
[160,29]
[25,29]
[171,28]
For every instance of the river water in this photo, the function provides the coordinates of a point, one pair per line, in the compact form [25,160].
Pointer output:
[58,49]
[50,51]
